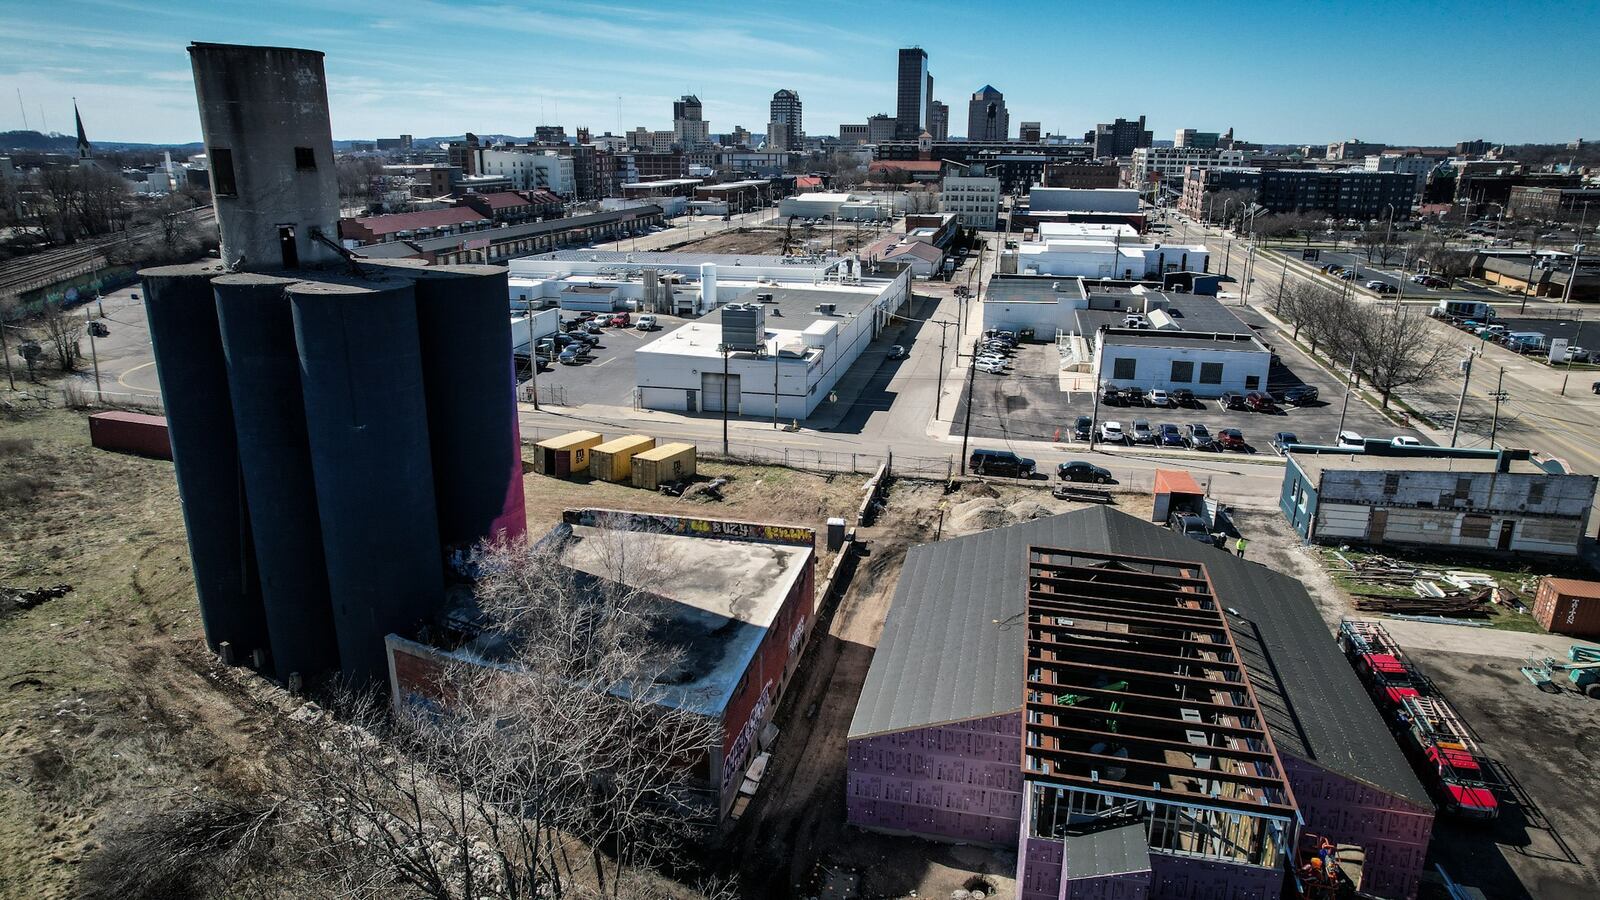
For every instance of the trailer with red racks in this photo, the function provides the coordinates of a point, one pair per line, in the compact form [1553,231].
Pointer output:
[1432,734]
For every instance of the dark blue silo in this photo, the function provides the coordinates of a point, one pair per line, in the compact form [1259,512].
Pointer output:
[366,418]
[464,327]
[257,329]
[194,388]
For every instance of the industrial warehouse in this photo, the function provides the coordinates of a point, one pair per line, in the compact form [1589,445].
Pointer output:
[1144,715]
[737,598]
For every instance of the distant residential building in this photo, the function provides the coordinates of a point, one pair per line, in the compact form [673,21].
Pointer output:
[529,169]
[881,128]
[1549,204]
[689,128]
[740,136]
[785,131]
[1168,164]
[1119,138]
[427,180]
[364,230]
[939,121]
[642,138]
[1079,175]
[1353,149]
[550,134]
[514,206]
[1477,147]
[463,154]
[853,134]
[1029,133]
[403,142]
[987,118]
[973,199]
[1344,193]
[1201,140]
[911,94]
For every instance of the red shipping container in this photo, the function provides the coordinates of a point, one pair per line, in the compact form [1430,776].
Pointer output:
[1568,606]
[125,432]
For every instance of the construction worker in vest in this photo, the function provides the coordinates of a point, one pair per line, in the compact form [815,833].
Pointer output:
[1238,547]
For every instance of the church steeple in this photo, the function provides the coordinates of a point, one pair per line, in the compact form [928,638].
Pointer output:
[84,148]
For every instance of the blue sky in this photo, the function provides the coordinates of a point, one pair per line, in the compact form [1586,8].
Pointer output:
[1296,72]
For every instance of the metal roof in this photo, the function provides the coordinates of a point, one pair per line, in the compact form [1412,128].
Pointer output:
[1111,851]
[953,645]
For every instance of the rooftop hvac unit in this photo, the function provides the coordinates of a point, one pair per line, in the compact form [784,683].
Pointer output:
[765,298]
[743,326]
[827,309]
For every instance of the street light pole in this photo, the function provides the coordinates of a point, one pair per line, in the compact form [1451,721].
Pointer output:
[533,356]
[1349,383]
[966,428]
[1461,402]
[724,349]
[1577,253]
[1577,341]
[95,356]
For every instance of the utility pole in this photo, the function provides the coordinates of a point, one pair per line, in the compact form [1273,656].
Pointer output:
[774,380]
[1577,252]
[938,390]
[1461,402]
[966,427]
[1348,385]
[724,349]
[1577,341]
[1283,279]
[95,329]
[1499,395]
[1095,397]
[11,379]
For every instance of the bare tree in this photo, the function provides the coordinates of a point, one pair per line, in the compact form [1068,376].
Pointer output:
[63,330]
[565,740]
[1395,349]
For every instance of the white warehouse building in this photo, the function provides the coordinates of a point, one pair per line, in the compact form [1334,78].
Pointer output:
[1098,250]
[677,283]
[787,347]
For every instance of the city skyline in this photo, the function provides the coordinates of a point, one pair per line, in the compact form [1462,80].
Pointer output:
[392,71]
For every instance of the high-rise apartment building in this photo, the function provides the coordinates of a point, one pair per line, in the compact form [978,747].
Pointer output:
[882,127]
[1029,132]
[939,126]
[1119,138]
[852,134]
[987,118]
[784,131]
[912,94]
[1201,140]
[690,130]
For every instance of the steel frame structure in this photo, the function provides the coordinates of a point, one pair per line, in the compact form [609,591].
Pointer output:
[1137,707]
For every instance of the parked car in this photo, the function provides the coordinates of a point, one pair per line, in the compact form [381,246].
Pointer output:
[1230,400]
[1190,526]
[1080,471]
[1113,396]
[1259,401]
[1198,437]
[1595,387]
[570,356]
[1142,432]
[1082,427]
[897,352]
[620,320]
[1169,435]
[1134,395]
[1159,397]
[1000,462]
[1183,397]
[1112,433]
[1401,440]
[1351,439]
[1231,439]
[1300,394]
[646,322]
[1283,440]
[1578,354]
[990,366]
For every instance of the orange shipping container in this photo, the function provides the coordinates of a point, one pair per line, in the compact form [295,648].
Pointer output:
[1568,606]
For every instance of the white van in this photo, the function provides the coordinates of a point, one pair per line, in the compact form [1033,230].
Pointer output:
[646,322]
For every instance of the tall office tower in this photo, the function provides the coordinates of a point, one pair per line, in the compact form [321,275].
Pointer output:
[940,119]
[785,131]
[911,99]
[987,118]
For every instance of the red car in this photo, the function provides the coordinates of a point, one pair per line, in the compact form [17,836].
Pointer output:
[1231,439]
[1259,401]
[620,320]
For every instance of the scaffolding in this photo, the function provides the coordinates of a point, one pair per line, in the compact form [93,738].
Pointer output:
[1138,710]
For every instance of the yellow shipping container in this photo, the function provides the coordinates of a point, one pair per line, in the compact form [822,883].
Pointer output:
[613,460]
[566,455]
[663,465]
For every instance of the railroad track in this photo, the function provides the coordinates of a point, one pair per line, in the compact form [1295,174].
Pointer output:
[27,273]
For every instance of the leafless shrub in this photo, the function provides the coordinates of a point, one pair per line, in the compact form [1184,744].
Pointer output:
[195,850]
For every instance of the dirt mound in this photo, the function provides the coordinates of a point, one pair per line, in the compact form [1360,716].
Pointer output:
[1028,510]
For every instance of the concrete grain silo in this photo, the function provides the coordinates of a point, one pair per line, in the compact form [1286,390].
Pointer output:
[257,329]
[194,386]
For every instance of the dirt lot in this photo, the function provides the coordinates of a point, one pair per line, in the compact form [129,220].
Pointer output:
[742,240]
[794,833]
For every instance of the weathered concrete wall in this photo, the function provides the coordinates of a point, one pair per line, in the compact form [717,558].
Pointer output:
[1563,495]
[266,110]
[1394,832]
[960,782]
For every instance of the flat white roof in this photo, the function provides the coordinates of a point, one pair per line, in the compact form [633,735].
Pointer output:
[1087,229]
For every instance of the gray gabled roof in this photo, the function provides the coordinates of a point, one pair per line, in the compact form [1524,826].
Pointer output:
[953,645]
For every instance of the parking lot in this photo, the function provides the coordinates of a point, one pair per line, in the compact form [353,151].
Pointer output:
[1026,403]
[605,377]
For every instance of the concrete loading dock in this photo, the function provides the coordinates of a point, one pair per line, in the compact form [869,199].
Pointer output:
[613,460]
[567,455]
[663,465]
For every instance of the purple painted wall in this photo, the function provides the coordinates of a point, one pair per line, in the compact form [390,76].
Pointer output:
[960,782]
[1039,868]
[1393,832]
[1194,879]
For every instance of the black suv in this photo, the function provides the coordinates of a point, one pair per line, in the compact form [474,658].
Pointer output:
[1183,397]
[1230,400]
[1082,428]
[1086,472]
[1000,462]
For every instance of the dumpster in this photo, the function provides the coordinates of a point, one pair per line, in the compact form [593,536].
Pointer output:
[613,460]
[663,465]
[560,457]
[126,432]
